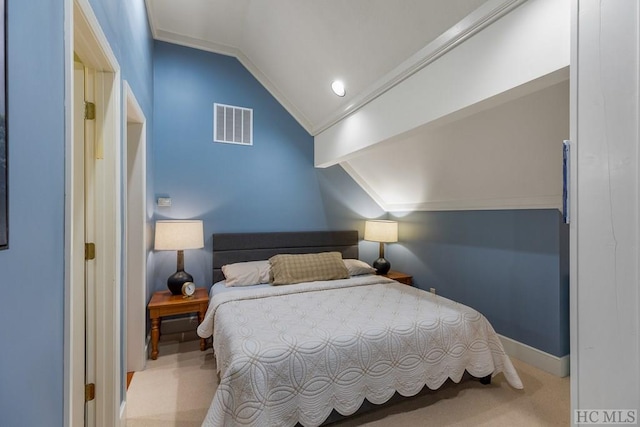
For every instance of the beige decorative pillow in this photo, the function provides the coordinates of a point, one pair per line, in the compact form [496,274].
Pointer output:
[357,267]
[246,273]
[287,269]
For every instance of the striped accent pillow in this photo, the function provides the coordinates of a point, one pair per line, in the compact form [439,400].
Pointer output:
[287,269]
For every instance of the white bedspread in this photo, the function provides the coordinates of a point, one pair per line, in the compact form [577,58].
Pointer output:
[293,353]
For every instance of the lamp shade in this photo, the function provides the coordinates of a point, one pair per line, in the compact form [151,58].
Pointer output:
[174,235]
[380,230]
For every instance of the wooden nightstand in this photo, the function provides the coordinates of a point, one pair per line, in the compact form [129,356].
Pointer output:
[399,277]
[163,303]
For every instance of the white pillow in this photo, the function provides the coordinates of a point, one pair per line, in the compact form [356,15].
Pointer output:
[246,273]
[357,267]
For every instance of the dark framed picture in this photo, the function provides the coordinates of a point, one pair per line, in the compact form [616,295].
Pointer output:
[4,185]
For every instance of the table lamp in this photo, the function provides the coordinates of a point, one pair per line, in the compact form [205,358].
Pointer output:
[178,235]
[382,231]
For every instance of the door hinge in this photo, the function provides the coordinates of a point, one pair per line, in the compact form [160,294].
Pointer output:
[89,392]
[89,251]
[89,110]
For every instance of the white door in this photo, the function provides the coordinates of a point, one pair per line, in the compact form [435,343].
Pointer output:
[135,231]
[90,238]
[93,216]
[84,230]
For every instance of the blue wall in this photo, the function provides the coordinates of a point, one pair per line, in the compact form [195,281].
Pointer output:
[511,265]
[32,303]
[270,186]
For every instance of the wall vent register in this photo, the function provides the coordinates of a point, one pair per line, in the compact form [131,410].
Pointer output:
[232,125]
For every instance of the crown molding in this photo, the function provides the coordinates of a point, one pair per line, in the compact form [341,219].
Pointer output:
[182,40]
[473,23]
[170,37]
[150,17]
[275,92]
[498,203]
[364,184]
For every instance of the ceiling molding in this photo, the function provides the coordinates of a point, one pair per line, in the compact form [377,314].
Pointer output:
[500,203]
[275,92]
[170,37]
[364,184]
[473,23]
[151,17]
[221,49]
[486,14]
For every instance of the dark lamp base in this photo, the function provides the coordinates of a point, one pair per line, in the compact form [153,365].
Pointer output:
[176,280]
[382,266]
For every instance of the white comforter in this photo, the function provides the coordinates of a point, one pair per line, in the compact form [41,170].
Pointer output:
[293,353]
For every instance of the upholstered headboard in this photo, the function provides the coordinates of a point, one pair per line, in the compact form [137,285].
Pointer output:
[229,248]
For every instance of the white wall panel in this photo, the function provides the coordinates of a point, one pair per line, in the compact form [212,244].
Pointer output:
[604,243]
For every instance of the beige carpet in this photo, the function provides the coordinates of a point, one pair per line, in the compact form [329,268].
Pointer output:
[177,388]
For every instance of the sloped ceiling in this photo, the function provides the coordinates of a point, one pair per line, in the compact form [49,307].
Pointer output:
[296,48]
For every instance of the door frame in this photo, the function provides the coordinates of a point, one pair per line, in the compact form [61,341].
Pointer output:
[135,230]
[84,37]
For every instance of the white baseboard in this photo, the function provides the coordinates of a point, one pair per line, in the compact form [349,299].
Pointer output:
[147,350]
[558,366]
[123,414]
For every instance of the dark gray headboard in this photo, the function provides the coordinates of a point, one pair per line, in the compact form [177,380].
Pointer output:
[229,248]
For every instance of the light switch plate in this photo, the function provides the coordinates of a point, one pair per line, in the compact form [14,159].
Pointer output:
[164,202]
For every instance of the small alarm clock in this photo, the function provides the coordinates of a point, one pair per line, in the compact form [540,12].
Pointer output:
[188,289]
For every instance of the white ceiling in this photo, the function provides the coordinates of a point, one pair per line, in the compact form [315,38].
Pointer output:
[296,48]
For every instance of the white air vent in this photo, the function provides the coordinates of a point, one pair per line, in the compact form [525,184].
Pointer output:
[232,125]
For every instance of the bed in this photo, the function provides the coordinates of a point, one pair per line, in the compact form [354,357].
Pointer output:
[293,353]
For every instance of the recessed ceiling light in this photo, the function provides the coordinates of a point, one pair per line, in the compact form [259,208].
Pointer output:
[338,88]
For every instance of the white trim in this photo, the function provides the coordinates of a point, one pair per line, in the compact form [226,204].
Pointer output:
[558,366]
[74,308]
[84,36]
[147,344]
[604,226]
[122,419]
[108,234]
[135,233]
[410,106]
[364,184]
[151,17]
[89,40]
[275,92]
[180,39]
[220,49]
[473,23]
[573,208]
[541,202]
[89,208]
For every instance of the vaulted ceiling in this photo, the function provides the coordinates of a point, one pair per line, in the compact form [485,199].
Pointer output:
[296,48]
[436,94]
